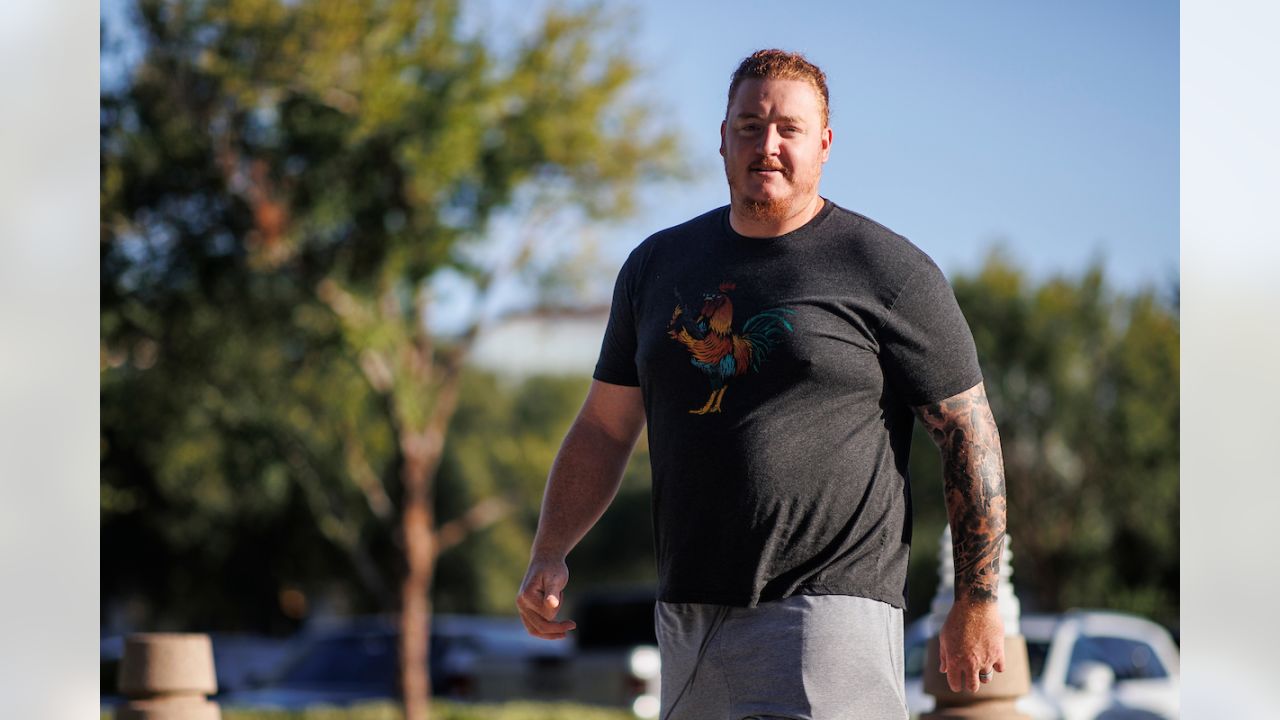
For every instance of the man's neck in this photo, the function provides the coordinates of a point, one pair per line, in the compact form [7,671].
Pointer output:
[746,226]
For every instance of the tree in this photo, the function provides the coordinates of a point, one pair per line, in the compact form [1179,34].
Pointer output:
[280,179]
[1083,383]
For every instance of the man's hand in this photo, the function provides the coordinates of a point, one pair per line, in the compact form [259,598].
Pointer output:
[540,598]
[971,642]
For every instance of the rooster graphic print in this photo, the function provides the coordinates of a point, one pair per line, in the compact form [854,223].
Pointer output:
[717,349]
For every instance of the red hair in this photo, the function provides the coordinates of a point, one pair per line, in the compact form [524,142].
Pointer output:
[781,65]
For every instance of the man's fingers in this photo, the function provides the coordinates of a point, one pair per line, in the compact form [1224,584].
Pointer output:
[962,675]
[557,632]
[539,626]
[538,612]
[540,599]
[544,602]
[962,678]
[544,611]
[999,665]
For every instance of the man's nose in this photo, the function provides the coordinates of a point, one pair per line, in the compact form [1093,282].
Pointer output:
[770,140]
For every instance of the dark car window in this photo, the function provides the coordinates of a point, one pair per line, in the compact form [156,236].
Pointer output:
[1036,654]
[1128,659]
[366,660]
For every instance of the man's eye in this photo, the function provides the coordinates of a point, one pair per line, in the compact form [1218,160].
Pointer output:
[749,128]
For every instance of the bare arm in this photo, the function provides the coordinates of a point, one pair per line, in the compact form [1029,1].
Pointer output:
[583,481]
[973,481]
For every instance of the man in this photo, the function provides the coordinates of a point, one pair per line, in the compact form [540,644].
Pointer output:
[781,503]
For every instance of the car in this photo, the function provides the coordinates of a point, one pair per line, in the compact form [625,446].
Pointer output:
[1085,665]
[495,659]
[348,661]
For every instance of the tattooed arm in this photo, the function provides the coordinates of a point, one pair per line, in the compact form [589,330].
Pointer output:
[973,480]
[972,639]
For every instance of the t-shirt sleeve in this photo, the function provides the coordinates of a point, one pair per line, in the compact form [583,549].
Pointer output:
[617,362]
[926,346]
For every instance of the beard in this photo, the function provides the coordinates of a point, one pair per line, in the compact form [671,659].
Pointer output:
[766,211]
[771,210]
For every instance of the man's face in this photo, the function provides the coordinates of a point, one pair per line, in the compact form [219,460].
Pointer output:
[774,144]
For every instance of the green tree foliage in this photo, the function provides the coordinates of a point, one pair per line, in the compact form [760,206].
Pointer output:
[501,445]
[280,179]
[1084,385]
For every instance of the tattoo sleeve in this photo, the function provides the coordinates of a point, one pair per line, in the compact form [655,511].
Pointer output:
[973,481]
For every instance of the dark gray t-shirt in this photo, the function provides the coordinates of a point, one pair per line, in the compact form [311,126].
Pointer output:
[778,377]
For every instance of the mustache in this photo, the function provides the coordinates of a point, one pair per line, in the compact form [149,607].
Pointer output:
[766,165]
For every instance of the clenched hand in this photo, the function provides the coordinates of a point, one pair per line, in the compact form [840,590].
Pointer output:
[971,642]
[540,599]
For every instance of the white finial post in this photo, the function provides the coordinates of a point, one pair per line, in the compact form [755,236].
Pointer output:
[996,699]
[1010,607]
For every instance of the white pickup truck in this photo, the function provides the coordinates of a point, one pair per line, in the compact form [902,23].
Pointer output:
[1085,665]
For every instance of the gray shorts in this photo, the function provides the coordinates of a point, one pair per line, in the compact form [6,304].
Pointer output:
[808,657]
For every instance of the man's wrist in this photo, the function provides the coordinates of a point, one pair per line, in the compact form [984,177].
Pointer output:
[547,555]
[974,597]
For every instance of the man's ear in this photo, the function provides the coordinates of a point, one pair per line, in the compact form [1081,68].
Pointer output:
[722,128]
[827,137]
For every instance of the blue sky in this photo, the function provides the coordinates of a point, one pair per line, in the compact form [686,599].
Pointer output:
[1050,128]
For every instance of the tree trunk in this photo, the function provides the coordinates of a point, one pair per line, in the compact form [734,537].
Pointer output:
[415,592]
[423,450]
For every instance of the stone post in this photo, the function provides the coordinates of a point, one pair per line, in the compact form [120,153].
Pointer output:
[996,699]
[167,676]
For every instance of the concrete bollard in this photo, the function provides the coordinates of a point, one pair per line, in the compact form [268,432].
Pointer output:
[994,700]
[167,676]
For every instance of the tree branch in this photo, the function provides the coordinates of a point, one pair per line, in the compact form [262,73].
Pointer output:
[365,478]
[329,521]
[481,515]
[540,216]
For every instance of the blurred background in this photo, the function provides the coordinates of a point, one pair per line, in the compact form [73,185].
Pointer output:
[355,267]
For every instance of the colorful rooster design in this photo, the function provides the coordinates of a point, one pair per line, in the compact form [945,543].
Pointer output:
[717,350]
